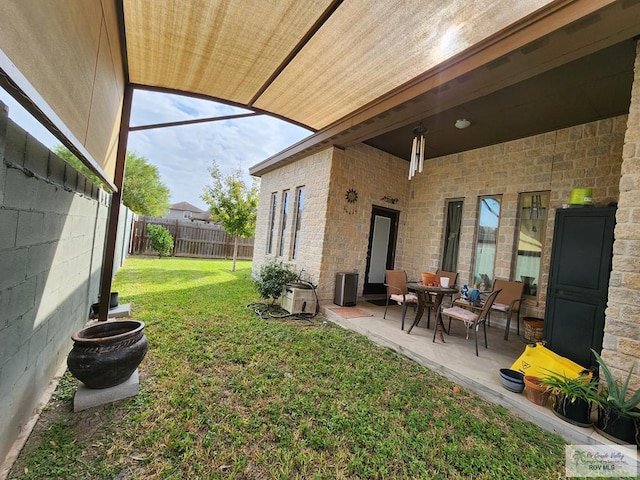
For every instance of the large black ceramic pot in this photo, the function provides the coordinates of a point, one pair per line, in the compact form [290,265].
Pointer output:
[106,354]
[617,426]
[577,413]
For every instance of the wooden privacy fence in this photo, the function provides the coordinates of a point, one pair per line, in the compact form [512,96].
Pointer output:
[191,240]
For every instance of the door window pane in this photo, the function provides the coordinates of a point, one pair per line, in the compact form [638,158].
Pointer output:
[532,218]
[379,249]
[486,241]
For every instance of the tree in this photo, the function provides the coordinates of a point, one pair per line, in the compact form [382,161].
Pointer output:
[232,204]
[143,192]
[65,154]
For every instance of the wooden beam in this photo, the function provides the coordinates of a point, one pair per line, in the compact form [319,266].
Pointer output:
[114,209]
[191,122]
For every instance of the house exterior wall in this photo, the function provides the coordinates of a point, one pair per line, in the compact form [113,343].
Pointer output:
[177,215]
[328,247]
[603,155]
[621,343]
[51,247]
[374,175]
[588,155]
[335,235]
[313,173]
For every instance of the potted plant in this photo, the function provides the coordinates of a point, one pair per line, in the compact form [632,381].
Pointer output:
[618,413]
[573,397]
[535,391]
[273,277]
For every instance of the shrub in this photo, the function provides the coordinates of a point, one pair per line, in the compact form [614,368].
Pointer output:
[161,240]
[273,276]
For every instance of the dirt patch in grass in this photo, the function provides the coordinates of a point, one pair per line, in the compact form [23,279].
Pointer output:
[80,437]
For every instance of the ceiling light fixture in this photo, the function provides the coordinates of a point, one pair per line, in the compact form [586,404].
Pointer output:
[417,150]
[462,123]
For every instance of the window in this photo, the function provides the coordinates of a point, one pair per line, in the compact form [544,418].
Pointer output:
[272,222]
[452,236]
[532,218]
[299,207]
[486,241]
[186,214]
[283,220]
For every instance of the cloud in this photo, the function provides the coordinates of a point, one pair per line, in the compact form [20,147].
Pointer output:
[183,154]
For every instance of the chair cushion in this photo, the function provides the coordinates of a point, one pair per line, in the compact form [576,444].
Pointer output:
[409,298]
[467,316]
[501,307]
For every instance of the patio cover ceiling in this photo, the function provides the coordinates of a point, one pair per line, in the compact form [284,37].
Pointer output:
[367,71]
[310,61]
[350,70]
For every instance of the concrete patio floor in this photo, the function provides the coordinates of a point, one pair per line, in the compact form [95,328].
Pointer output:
[456,360]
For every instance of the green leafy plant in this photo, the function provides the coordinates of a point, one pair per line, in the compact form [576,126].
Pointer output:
[273,276]
[572,388]
[615,393]
[161,240]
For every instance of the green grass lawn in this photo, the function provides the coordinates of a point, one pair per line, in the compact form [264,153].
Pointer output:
[225,394]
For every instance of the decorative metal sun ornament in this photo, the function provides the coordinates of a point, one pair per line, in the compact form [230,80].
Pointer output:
[351,197]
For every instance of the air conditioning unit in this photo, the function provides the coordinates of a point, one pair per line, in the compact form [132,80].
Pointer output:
[298,299]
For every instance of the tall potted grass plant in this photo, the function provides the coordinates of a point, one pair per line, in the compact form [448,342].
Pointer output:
[573,397]
[618,413]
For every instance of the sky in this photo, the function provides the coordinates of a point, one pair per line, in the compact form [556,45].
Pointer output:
[184,154]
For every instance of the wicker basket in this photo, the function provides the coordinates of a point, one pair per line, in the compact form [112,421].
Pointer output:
[533,328]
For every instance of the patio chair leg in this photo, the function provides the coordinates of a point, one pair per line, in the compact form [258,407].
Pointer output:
[484,327]
[385,308]
[475,331]
[506,330]
[404,312]
[518,319]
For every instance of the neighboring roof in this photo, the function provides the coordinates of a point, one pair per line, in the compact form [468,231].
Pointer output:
[186,206]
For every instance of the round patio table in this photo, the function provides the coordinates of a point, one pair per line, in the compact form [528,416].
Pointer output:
[438,292]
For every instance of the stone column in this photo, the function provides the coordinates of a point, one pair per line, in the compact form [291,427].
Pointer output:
[621,345]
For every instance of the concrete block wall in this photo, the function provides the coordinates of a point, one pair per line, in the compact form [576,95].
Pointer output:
[51,248]
[621,343]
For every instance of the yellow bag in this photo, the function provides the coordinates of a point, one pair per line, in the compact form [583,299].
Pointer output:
[537,360]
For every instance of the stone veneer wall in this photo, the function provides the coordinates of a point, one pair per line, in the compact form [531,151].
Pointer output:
[53,224]
[588,155]
[373,174]
[621,344]
[312,173]
[334,237]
